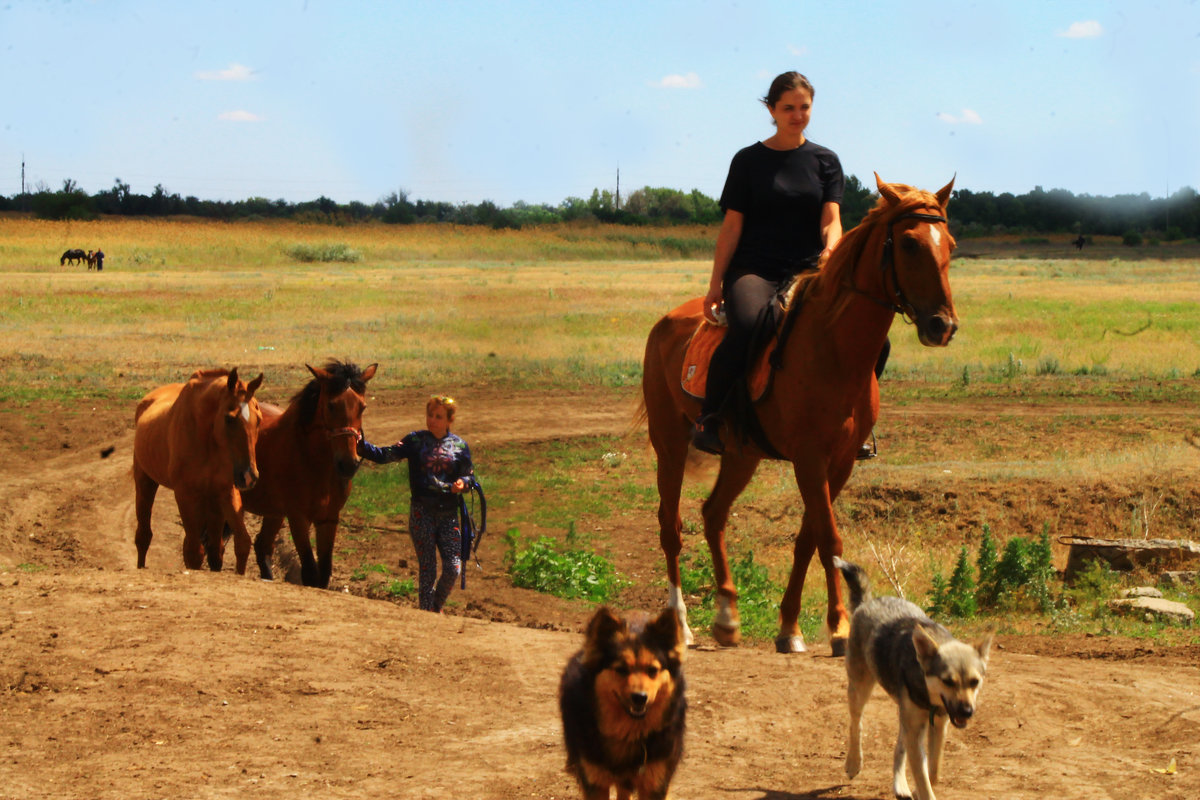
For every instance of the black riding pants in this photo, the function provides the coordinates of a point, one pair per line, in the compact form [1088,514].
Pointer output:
[747,299]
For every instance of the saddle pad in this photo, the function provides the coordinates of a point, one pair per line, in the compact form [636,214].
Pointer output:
[700,349]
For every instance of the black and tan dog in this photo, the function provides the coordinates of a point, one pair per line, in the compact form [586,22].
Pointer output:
[933,677]
[623,706]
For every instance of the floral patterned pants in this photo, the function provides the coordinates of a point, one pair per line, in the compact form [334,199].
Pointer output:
[433,531]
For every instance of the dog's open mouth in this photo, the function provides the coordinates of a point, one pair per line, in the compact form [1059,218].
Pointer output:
[635,712]
[958,721]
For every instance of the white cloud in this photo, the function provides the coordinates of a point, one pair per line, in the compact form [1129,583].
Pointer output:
[797,51]
[688,81]
[240,116]
[968,117]
[234,72]
[1082,30]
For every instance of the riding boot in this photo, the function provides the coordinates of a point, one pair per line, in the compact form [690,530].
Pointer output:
[705,436]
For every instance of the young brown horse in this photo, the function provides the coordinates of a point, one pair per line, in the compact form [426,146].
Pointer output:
[308,454]
[197,439]
[823,401]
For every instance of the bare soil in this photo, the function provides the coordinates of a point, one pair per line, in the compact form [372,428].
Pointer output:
[168,683]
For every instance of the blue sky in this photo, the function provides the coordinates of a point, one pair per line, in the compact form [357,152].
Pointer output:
[535,101]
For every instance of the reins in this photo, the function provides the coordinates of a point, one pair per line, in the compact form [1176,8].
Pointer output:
[902,306]
[471,533]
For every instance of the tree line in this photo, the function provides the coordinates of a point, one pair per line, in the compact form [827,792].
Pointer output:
[972,213]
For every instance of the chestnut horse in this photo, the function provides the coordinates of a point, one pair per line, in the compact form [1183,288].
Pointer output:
[308,454]
[197,439]
[823,400]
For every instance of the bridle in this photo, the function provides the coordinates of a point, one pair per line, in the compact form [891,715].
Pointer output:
[903,306]
[337,433]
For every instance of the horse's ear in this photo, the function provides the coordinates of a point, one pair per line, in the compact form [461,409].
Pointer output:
[252,387]
[943,194]
[319,374]
[369,372]
[886,190]
[231,381]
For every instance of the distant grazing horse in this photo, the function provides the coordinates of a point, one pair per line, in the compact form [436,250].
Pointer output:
[198,439]
[308,454]
[822,401]
[73,256]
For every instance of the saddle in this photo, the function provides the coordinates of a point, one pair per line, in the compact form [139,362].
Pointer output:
[699,351]
[763,356]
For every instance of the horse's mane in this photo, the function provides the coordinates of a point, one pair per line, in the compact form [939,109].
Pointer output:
[212,372]
[346,374]
[837,272]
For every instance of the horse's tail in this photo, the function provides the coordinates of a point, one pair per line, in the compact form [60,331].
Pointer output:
[856,581]
[640,416]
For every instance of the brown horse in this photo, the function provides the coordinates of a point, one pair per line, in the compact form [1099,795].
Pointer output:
[823,400]
[198,439]
[74,256]
[308,454]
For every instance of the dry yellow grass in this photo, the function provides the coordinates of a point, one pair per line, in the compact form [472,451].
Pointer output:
[456,305]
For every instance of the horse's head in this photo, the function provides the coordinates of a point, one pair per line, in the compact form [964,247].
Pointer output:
[339,410]
[915,265]
[237,426]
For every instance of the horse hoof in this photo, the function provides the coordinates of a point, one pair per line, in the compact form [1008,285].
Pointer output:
[790,644]
[838,646]
[726,635]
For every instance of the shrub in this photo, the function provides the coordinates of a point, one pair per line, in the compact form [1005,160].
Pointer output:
[1132,239]
[310,253]
[573,573]
[986,562]
[956,598]
[1021,577]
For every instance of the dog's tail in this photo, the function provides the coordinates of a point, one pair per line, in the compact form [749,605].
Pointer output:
[856,581]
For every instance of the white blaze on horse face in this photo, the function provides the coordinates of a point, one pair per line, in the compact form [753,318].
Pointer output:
[245,412]
[936,235]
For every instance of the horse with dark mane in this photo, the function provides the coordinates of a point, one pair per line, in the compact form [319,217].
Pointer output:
[819,406]
[308,454]
[75,256]
[197,439]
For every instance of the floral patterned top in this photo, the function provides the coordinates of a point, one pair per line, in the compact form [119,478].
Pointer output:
[433,464]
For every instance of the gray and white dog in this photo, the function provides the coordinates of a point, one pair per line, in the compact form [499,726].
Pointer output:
[933,677]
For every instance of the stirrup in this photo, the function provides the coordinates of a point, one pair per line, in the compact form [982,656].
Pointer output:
[867,451]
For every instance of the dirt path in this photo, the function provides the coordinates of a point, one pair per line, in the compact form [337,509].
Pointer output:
[163,683]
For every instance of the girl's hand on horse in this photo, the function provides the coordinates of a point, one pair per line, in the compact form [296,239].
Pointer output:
[712,302]
[459,486]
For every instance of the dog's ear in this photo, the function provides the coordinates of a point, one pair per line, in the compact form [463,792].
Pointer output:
[927,648]
[984,646]
[601,630]
[668,632]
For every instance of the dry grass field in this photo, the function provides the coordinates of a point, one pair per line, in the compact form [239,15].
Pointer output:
[1067,403]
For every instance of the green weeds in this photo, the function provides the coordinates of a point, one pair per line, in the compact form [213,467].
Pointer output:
[572,573]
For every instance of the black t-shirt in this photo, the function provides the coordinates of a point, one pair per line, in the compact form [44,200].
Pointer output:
[780,193]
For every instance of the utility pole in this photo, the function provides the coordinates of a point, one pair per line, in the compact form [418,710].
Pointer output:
[618,188]
[22,173]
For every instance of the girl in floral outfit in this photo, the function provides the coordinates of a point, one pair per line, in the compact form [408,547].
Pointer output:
[439,468]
